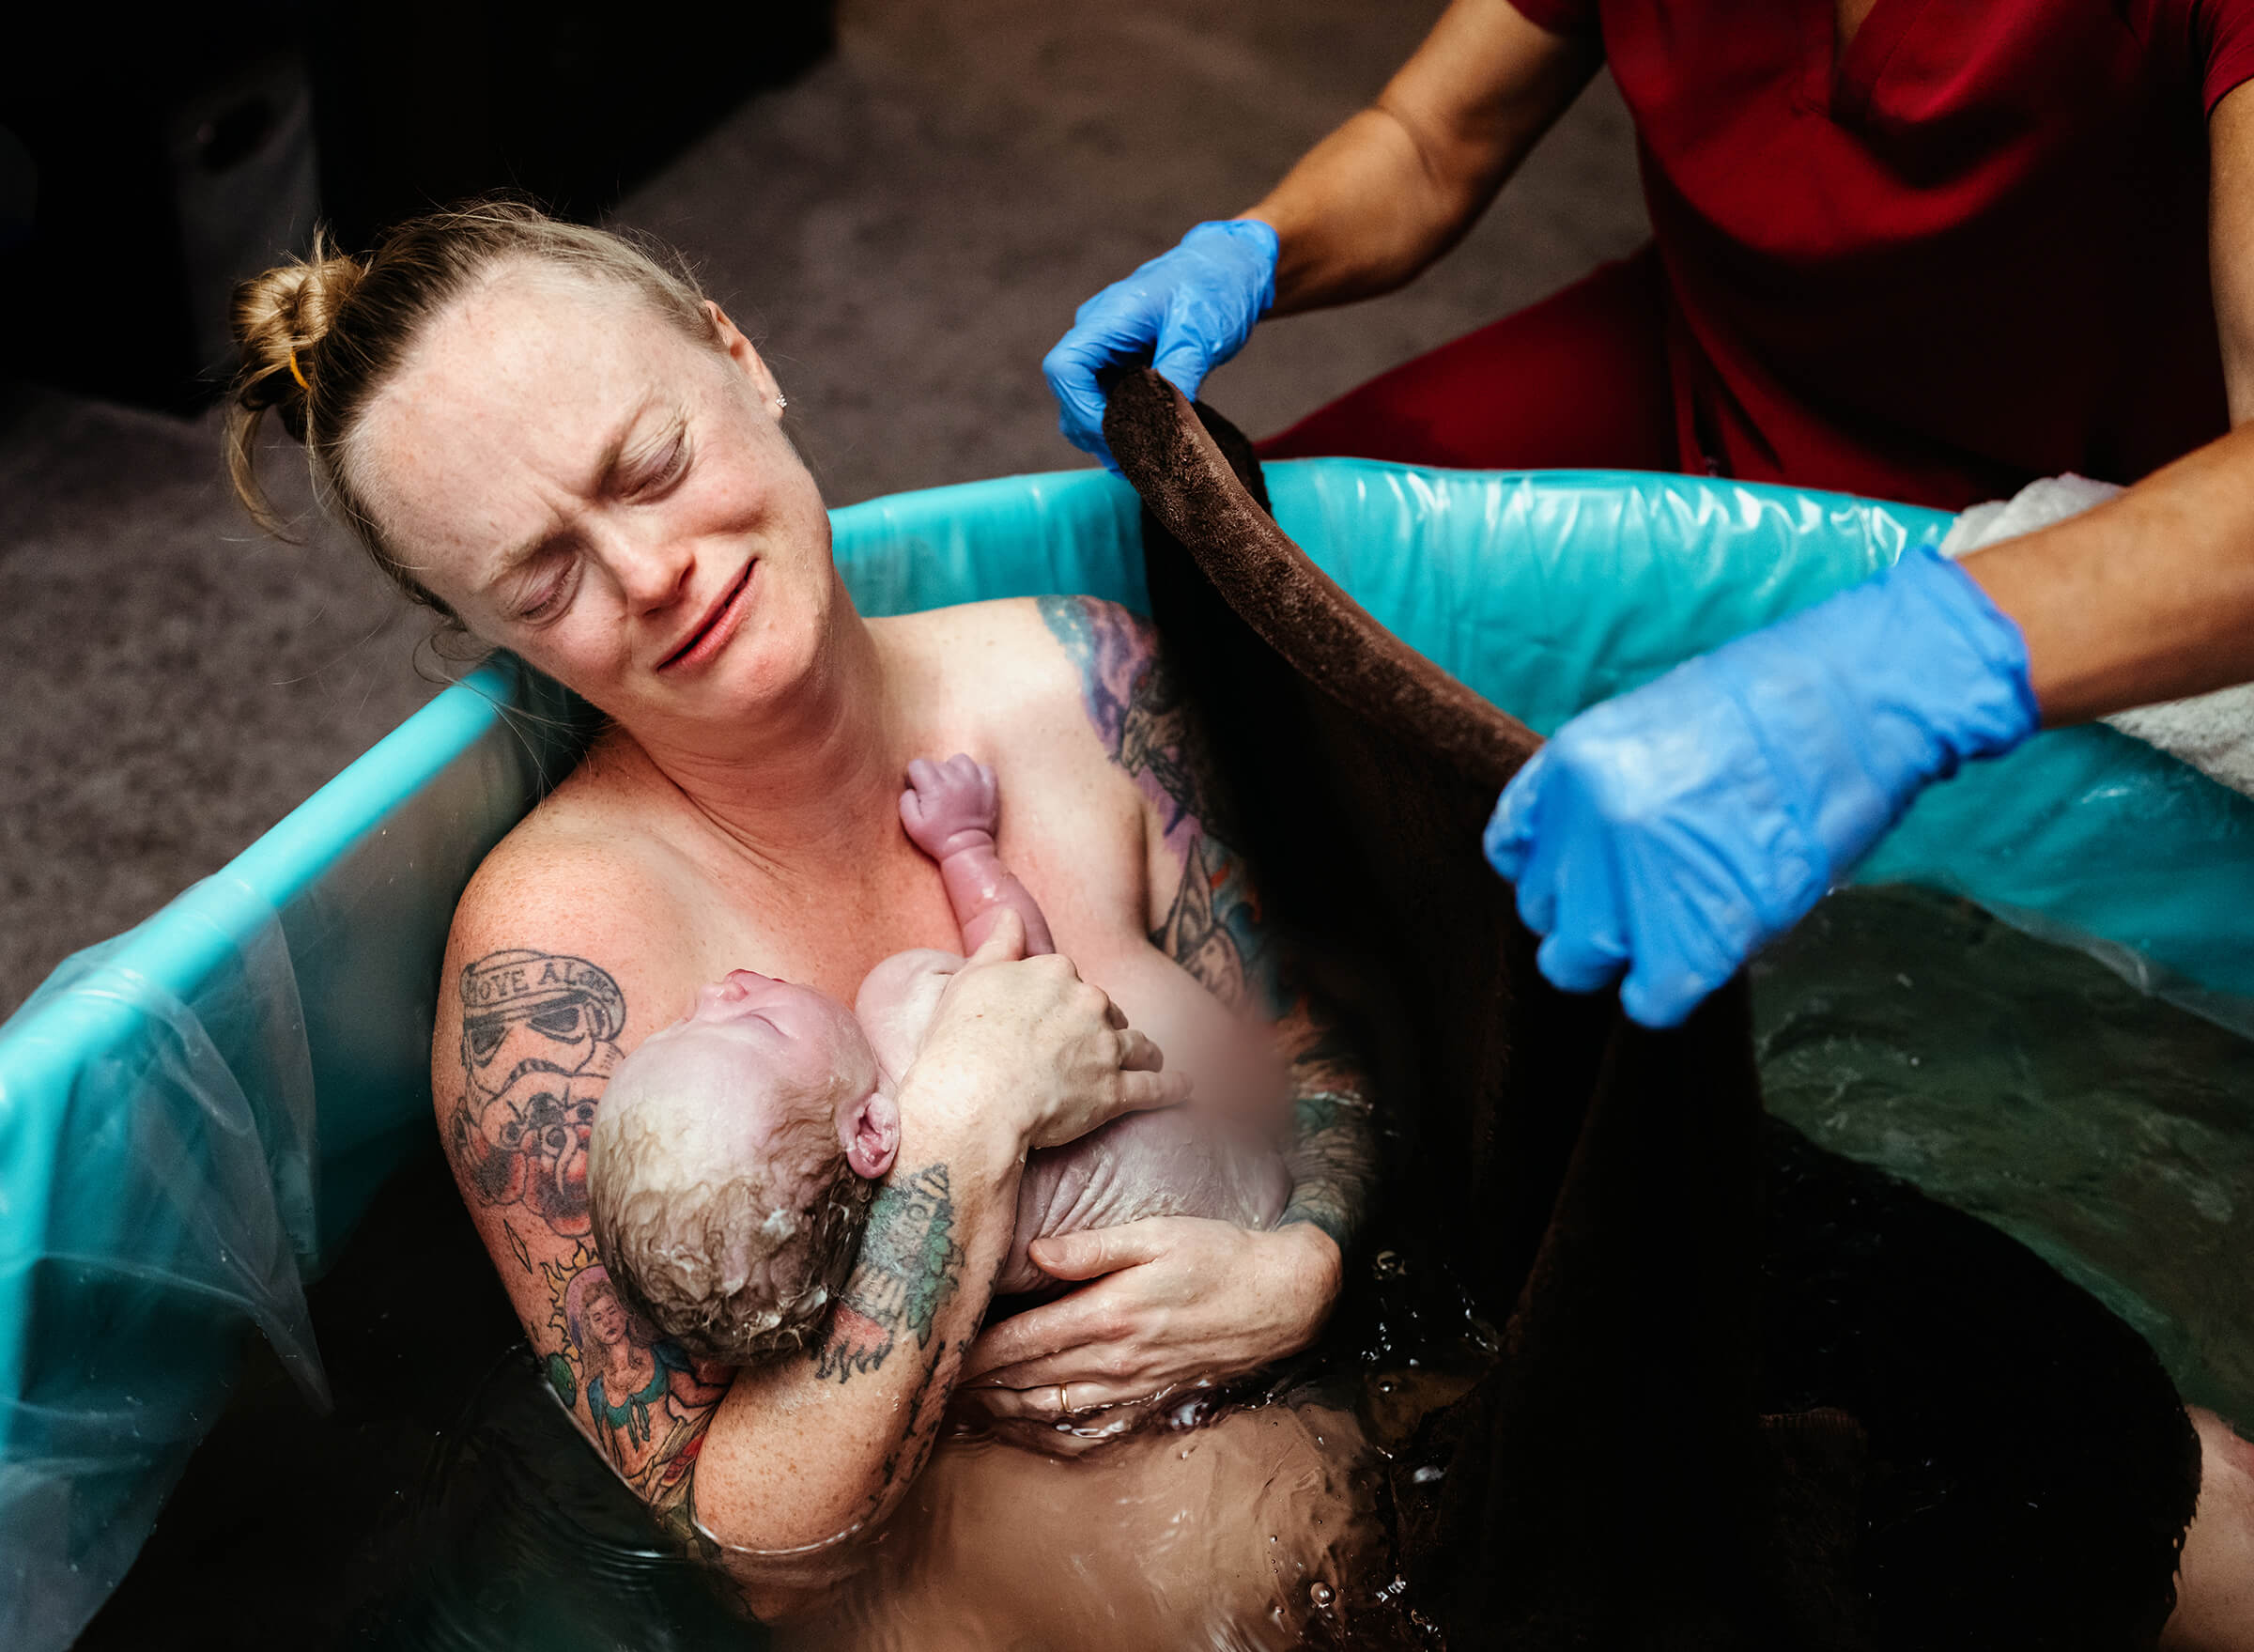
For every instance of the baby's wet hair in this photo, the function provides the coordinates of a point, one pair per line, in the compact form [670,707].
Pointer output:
[741,1269]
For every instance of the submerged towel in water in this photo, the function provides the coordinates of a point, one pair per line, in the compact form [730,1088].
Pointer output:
[1750,1394]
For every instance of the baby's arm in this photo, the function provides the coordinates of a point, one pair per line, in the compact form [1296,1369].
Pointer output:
[951,811]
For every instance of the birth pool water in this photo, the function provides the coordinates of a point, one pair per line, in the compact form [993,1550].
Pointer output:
[2017,1080]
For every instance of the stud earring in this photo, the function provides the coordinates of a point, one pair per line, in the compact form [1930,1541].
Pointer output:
[782,402]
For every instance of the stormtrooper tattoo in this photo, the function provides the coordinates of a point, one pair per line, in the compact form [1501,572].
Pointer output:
[539,1038]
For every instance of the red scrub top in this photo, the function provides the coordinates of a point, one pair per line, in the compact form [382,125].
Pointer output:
[1970,250]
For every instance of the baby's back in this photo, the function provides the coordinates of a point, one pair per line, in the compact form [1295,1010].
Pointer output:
[1180,1162]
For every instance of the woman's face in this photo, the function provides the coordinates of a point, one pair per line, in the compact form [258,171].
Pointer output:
[606,1317]
[584,484]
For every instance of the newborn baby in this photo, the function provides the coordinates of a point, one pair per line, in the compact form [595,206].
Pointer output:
[736,1153]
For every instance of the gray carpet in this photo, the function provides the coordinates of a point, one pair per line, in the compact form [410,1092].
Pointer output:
[905,231]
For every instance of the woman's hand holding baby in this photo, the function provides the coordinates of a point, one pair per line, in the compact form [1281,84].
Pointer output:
[1027,1036]
[1150,1326]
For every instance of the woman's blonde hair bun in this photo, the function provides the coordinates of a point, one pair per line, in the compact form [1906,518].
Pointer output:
[280,318]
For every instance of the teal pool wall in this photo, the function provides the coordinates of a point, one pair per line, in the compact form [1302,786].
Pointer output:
[193,1114]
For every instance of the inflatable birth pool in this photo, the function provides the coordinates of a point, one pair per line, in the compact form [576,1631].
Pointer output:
[193,1116]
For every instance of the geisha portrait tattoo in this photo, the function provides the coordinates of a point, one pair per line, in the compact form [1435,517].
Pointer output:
[648,1401]
[539,1038]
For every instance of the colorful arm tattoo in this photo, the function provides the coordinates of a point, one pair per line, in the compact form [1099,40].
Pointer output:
[909,1265]
[539,1038]
[1334,1151]
[1211,920]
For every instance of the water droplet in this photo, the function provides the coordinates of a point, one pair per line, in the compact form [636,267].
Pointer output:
[1320,1594]
[1426,1476]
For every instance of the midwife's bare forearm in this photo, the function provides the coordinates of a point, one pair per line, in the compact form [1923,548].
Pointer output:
[1334,1152]
[2148,597]
[1398,185]
[819,1447]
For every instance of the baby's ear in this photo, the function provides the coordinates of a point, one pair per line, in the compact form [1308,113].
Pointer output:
[871,1133]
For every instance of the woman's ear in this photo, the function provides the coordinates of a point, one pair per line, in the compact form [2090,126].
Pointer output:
[871,1133]
[747,360]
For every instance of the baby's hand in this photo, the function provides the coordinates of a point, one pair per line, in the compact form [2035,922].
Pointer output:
[949,806]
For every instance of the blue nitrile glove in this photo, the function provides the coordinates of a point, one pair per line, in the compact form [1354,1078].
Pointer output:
[1185,313]
[1672,831]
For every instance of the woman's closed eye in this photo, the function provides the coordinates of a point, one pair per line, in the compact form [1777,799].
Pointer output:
[553,585]
[661,469]
[649,475]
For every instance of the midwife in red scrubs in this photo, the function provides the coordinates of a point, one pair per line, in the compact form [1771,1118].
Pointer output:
[1923,250]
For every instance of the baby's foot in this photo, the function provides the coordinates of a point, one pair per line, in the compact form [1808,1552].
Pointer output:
[949,806]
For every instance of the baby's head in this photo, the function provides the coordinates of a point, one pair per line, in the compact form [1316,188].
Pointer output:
[732,1165]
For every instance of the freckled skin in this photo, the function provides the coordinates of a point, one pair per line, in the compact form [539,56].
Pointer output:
[772,1081]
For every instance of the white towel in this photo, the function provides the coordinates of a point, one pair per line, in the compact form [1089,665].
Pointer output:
[2213,733]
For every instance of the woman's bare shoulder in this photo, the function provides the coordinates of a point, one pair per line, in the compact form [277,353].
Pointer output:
[584,854]
[584,891]
[1036,661]
[1021,624]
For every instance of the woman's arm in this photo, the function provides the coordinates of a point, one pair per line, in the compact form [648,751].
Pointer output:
[1334,1151]
[1372,205]
[540,998]
[1204,907]
[549,985]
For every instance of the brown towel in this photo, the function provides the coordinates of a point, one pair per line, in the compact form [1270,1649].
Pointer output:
[1716,1421]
